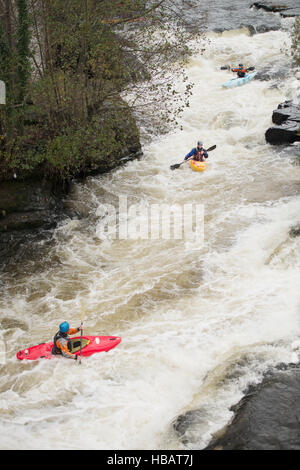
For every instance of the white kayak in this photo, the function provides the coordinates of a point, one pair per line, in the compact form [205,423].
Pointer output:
[239,81]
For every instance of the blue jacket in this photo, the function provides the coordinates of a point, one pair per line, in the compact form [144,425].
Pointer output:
[194,152]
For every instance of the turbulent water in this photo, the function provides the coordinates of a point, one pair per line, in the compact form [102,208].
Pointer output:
[197,326]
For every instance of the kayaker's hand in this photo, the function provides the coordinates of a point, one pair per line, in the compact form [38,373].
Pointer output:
[80,328]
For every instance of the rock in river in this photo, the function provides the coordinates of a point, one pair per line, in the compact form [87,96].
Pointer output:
[268,417]
[287,124]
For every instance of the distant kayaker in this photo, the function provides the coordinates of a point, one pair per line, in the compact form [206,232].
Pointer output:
[62,341]
[198,153]
[240,70]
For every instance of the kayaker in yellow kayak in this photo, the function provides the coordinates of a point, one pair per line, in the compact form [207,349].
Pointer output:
[198,153]
[62,343]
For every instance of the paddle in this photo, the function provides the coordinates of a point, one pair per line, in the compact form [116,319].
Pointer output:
[227,67]
[81,332]
[177,165]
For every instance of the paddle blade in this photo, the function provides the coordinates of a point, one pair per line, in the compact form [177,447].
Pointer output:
[211,148]
[175,166]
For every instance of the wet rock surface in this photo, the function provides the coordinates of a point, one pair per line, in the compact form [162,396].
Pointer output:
[25,205]
[287,128]
[275,71]
[27,209]
[230,14]
[268,417]
[288,8]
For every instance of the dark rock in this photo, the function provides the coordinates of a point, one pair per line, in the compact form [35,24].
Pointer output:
[281,115]
[290,12]
[26,205]
[295,231]
[226,15]
[285,104]
[27,208]
[274,73]
[287,130]
[268,6]
[26,196]
[287,133]
[268,417]
[25,244]
[28,220]
[189,419]
[286,8]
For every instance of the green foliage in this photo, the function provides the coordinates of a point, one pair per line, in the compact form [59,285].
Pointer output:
[64,115]
[22,47]
[97,146]
[15,69]
[4,56]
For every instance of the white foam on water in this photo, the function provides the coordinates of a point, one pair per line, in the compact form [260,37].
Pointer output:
[186,317]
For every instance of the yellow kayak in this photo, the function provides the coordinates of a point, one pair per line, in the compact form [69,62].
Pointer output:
[197,166]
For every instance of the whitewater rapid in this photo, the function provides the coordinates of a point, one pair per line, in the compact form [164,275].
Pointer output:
[197,326]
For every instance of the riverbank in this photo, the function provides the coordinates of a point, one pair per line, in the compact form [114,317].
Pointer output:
[31,207]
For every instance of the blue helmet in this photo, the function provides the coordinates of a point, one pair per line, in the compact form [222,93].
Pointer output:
[199,143]
[64,327]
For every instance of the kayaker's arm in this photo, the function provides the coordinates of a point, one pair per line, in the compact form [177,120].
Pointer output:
[190,154]
[73,331]
[62,344]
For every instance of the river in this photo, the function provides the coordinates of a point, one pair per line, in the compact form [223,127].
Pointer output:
[197,326]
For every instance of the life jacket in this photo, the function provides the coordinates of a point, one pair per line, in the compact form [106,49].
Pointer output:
[61,336]
[241,72]
[199,155]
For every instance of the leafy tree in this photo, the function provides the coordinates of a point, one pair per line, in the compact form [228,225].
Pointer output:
[14,66]
[23,49]
[68,62]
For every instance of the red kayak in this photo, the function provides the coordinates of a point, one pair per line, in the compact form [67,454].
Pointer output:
[90,345]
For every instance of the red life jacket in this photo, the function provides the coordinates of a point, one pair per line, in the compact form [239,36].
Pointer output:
[240,71]
[198,156]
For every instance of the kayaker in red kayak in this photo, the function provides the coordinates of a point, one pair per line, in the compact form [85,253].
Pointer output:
[199,153]
[62,342]
[240,70]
